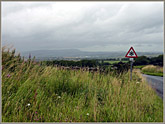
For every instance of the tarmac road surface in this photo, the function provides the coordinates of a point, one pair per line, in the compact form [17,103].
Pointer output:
[156,83]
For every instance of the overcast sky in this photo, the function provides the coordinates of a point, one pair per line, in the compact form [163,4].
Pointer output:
[87,26]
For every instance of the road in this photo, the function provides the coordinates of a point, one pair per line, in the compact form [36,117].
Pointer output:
[156,82]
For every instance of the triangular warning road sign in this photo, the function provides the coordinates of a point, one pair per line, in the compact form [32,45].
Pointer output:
[131,53]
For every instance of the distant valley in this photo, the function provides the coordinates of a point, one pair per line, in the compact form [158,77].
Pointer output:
[77,54]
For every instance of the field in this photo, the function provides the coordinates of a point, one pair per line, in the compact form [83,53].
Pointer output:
[138,67]
[153,70]
[35,93]
[112,62]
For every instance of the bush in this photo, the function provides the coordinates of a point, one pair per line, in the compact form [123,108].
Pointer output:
[153,70]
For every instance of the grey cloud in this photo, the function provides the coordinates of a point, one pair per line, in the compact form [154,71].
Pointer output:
[101,25]
[14,7]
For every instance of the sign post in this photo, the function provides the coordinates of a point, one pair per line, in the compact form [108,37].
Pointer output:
[131,59]
[131,54]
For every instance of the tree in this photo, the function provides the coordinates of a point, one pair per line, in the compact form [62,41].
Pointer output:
[142,60]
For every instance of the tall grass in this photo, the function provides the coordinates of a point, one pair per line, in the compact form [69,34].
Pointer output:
[35,93]
[153,70]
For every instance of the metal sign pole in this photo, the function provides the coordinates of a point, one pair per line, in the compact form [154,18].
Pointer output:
[131,54]
[131,59]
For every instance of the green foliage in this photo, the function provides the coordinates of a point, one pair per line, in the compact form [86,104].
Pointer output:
[157,60]
[138,67]
[35,93]
[81,63]
[115,62]
[143,60]
[154,74]
[153,70]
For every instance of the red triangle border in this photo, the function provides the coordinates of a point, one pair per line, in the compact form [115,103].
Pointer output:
[131,56]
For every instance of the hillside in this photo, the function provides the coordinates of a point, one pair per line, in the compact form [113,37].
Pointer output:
[80,54]
[35,93]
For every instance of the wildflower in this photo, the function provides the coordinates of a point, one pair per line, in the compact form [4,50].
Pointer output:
[36,112]
[29,56]
[28,104]
[59,97]
[36,119]
[87,114]
[137,82]
[8,75]
[35,94]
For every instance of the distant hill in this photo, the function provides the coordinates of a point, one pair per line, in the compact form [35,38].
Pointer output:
[74,53]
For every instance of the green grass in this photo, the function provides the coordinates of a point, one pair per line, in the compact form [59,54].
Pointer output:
[153,70]
[154,74]
[35,93]
[139,66]
[112,62]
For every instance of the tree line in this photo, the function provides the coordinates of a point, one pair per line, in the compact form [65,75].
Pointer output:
[143,60]
[81,63]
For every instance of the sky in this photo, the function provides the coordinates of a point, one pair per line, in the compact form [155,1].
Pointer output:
[86,26]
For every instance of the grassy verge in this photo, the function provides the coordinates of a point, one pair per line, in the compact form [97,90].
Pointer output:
[153,70]
[154,74]
[139,66]
[35,93]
